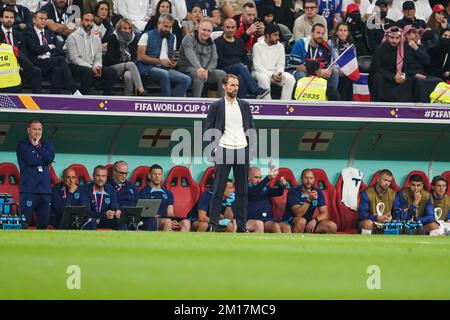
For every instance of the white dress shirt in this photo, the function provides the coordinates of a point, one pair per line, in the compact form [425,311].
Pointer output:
[5,31]
[234,135]
[39,35]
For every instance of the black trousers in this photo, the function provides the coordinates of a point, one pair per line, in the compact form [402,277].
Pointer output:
[424,87]
[345,88]
[31,73]
[57,69]
[86,76]
[332,94]
[16,89]
[225,160]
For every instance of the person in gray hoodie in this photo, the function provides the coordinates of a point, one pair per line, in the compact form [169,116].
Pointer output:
[85,58]
[198,59]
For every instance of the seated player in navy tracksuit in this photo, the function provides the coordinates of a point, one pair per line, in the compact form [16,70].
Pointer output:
[101,202]
[302,201]
[259,214]
[414,203]
[199,216]
[66,193]
[155,190]
[34,156]
[126,192]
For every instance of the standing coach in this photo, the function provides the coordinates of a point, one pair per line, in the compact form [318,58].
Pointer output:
[34,156]
[232,119]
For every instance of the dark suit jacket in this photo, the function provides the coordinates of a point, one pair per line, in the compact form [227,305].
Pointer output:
[216,119]
[19,43]
[22,16]
[18,40]
[35,49]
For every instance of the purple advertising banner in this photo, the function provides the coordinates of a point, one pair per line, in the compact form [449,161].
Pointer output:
[194,107]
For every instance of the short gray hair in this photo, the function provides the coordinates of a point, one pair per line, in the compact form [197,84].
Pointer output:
[165,17]
[118,163]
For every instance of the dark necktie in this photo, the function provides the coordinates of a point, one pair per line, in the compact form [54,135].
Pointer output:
[8,35]
[44,41]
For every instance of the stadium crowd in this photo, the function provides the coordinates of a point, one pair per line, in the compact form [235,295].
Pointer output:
[306,207]
[286,49]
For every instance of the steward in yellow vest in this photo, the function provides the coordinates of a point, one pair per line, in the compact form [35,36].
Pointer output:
[311,88]
[9,67]
[441,93]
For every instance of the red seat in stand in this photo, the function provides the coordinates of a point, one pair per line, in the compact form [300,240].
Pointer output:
[446,175]
[207,179]
[279,203]
[323,183]
[53,177]
[426,182]
[140,177]
[394,184]
[9,180]
[348,218]
[82,174]
[184,188]
[110,167]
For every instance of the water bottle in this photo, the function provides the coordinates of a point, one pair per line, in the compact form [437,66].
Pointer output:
[420,228]
[407,227]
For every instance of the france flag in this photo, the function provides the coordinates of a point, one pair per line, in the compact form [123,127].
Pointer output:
[348,63]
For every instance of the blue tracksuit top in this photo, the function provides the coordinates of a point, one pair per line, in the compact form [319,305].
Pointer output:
[33,164]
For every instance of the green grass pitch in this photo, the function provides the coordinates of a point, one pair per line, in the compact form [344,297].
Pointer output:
[157,265]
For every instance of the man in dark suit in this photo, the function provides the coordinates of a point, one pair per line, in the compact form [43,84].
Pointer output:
[232,126]
[14,38]
[46,52]
[23,14]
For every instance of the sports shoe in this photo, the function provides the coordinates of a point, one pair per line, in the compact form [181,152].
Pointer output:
[262,93]
[242,230]
[211,228]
